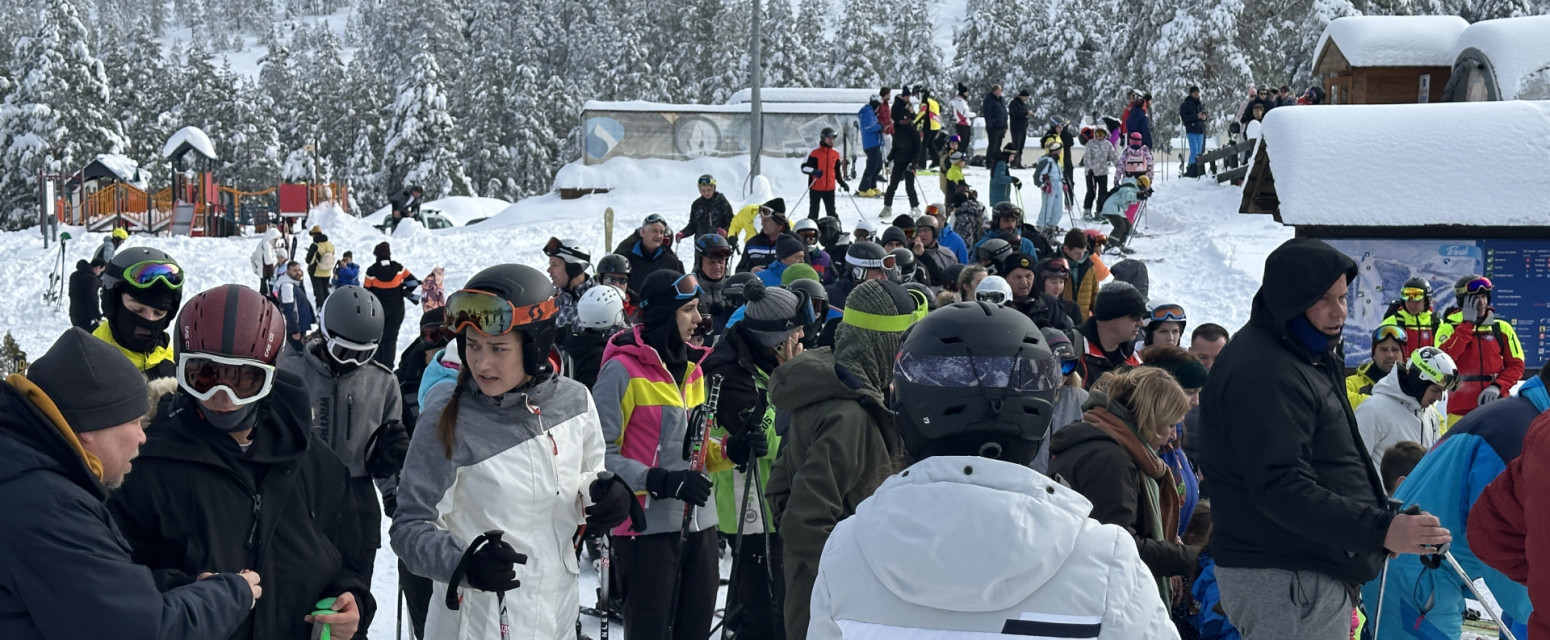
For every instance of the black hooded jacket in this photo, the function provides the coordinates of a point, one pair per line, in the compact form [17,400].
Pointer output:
[196,502]
[85,288]
[1292,484]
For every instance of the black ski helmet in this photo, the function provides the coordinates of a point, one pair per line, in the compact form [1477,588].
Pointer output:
[522,286]
[154,288]
[975,379]
[1418,283]
[711,243]
[903,264]
[864,255]
[925,291]
[1006,210]
[732,290]
[353,314]
[828,132]
[992,252]
[829,231]
[613,263]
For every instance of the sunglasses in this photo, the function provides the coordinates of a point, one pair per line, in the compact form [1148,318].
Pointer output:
[1389,332]
[144,274]
[1413,294]
[346,352]
[686,287]
[1168,313]
[245,381]
[492,315]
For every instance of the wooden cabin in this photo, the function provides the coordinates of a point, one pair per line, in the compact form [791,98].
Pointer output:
[1386,59]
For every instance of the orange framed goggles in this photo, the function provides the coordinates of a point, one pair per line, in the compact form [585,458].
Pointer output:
[491,314]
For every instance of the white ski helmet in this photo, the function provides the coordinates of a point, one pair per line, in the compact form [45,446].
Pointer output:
[1435,366]
[993,289]
[600,308]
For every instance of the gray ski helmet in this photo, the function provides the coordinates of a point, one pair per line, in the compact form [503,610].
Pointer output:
[864,255]
[828,132]
[613,263]
[521,286]
[353,314]
[975,379]
[732,290]
[903,264]
[993,251]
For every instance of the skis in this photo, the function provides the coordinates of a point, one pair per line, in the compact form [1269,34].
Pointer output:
[56,277]
[608,229]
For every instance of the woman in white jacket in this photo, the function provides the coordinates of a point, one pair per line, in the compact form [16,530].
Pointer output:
[969,541]
[513,448]
[1398,408]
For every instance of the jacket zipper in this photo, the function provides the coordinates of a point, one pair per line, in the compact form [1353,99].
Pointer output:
[349,417]
[554,466]
[258,501]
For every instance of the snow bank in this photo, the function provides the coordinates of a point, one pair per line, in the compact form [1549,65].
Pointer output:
[1519,50]
[195,137]
[1394,41]
[769,95]
[1406,165]
[459,209]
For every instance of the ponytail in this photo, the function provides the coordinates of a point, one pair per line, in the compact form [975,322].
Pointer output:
[446,424]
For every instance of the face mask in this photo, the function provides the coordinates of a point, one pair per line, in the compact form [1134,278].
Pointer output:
[240,420]
[124,324]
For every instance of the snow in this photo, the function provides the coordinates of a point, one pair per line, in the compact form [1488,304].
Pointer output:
[847,108]
[1518,49]
[769,95]
[123,167]
[195,137]
[1407,165]
[1394,41]
[459,209]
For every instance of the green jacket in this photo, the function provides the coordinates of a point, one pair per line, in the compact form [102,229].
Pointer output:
[841,444]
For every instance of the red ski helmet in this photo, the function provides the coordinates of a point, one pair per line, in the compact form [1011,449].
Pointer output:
[231,320]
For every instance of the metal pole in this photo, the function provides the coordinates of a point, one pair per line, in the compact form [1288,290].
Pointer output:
[756,107]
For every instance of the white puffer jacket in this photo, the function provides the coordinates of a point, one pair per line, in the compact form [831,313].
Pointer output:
[1390,416]
[973,548]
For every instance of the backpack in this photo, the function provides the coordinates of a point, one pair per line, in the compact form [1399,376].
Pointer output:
[1134,160]
[969,221]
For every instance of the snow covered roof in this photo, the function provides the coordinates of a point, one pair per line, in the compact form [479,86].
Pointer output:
[768,95]
[193,137]
[1410,165]
[849,108]
[1394,41]
[1519,51]
[118,166]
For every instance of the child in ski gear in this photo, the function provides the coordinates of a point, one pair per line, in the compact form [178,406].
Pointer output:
[110,245]
[1398,461]
[1486,348]
[1165,325]
[1136,160]
[944,162]
[235,479]
[141,291]
[1001,180]
[1086,270]
[392,284]
[650,381]
[346,271]
[506,412]
[86,294]
[1098,157]
[69,428]
[957,187]
[1047,175]
[825,169]
[841,440]
[1031,537]
[710,213]
[1413,312]
[320,264]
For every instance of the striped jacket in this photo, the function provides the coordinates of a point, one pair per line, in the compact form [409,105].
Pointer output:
[645,418]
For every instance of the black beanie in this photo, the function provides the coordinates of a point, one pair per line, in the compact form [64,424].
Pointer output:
[1118,300]
[893,234]
[434,317]
[787,246]
[382,251]
[658,296]
[91,382]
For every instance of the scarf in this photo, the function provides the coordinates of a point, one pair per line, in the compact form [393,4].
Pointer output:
[1160,509]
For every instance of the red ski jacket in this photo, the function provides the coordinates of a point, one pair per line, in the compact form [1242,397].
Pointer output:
[1509,526]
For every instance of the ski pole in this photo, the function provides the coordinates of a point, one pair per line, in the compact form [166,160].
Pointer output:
[1454,563]
[853,204]
[737,547]
[694,449]
[453,602]
[400,611]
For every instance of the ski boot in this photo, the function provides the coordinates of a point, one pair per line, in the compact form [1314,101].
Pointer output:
[887,212]
[914,212]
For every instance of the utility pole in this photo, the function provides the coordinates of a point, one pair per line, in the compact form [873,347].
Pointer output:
[755,108]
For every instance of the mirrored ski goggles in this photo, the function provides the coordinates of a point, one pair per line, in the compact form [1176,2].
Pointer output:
[346,352]
[144,274]
[245,381]
[806,314]
[492,315]
[655,218]
[437,334]
[809,236]
[1478,285]
[1168,313]
[685,288]
[1389,332]
[1413,293]
[996,372]
[707,181]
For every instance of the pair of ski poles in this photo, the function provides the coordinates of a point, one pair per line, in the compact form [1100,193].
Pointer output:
[753,484]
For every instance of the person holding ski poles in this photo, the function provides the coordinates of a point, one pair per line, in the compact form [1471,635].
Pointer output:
[824,169]
[650,381]
[510,447]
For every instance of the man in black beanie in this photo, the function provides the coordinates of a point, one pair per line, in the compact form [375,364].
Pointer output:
[68,431]
[1111,331]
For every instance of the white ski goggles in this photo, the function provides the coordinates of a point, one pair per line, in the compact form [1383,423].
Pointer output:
[346,352]
[245,381]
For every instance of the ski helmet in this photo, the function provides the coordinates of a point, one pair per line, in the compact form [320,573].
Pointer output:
[707,180]
[826,134]
[1472,285]
[1418,283]
[529,309]
[975,379]
[1006,210]
[994,290]
[233,321]
[903,265]
[807,225]
[993,251]
[600,308]
[712,244]
[1435,366]
[613,264]
[576,258]
[151,278]
[863,256]
[829,231]
[352,322]
[732,290]
[924,290]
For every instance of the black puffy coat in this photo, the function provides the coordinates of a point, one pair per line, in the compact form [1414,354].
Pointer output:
[706,216]
[906,140]
[1045,310]
[196,502]
[994,111]
[642,265]
[1189,115]
[1292,485]
[85,288]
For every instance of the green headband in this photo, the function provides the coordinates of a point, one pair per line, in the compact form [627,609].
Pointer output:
[888,323]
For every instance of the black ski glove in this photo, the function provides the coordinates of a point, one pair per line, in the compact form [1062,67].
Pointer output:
[493,568]
[692,487]
[390,504]
[749,445]
[611,500]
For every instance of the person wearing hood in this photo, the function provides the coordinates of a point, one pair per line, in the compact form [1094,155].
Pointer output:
[1388,343]
[759,251]
[1111,331]
[1398,409]
[320,264]
[841,440]
[267,258]
[110,245]
[1298,505]
[234,479]
[769,335]
[356,406]
[1450,481]
[709,213]
[648,251]
[1001,180]
[1110,457]
[86,293]
[141,291]
[507,426]
[651,380]
[392,284]
[69,429]
[1026,558]
[789,250]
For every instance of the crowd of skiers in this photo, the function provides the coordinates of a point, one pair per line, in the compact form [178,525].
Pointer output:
[954,424]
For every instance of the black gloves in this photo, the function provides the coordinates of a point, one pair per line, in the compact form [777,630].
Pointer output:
[745,446]
[611,500]
[493,568]
[692,487]
[390,504]
[386,449]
